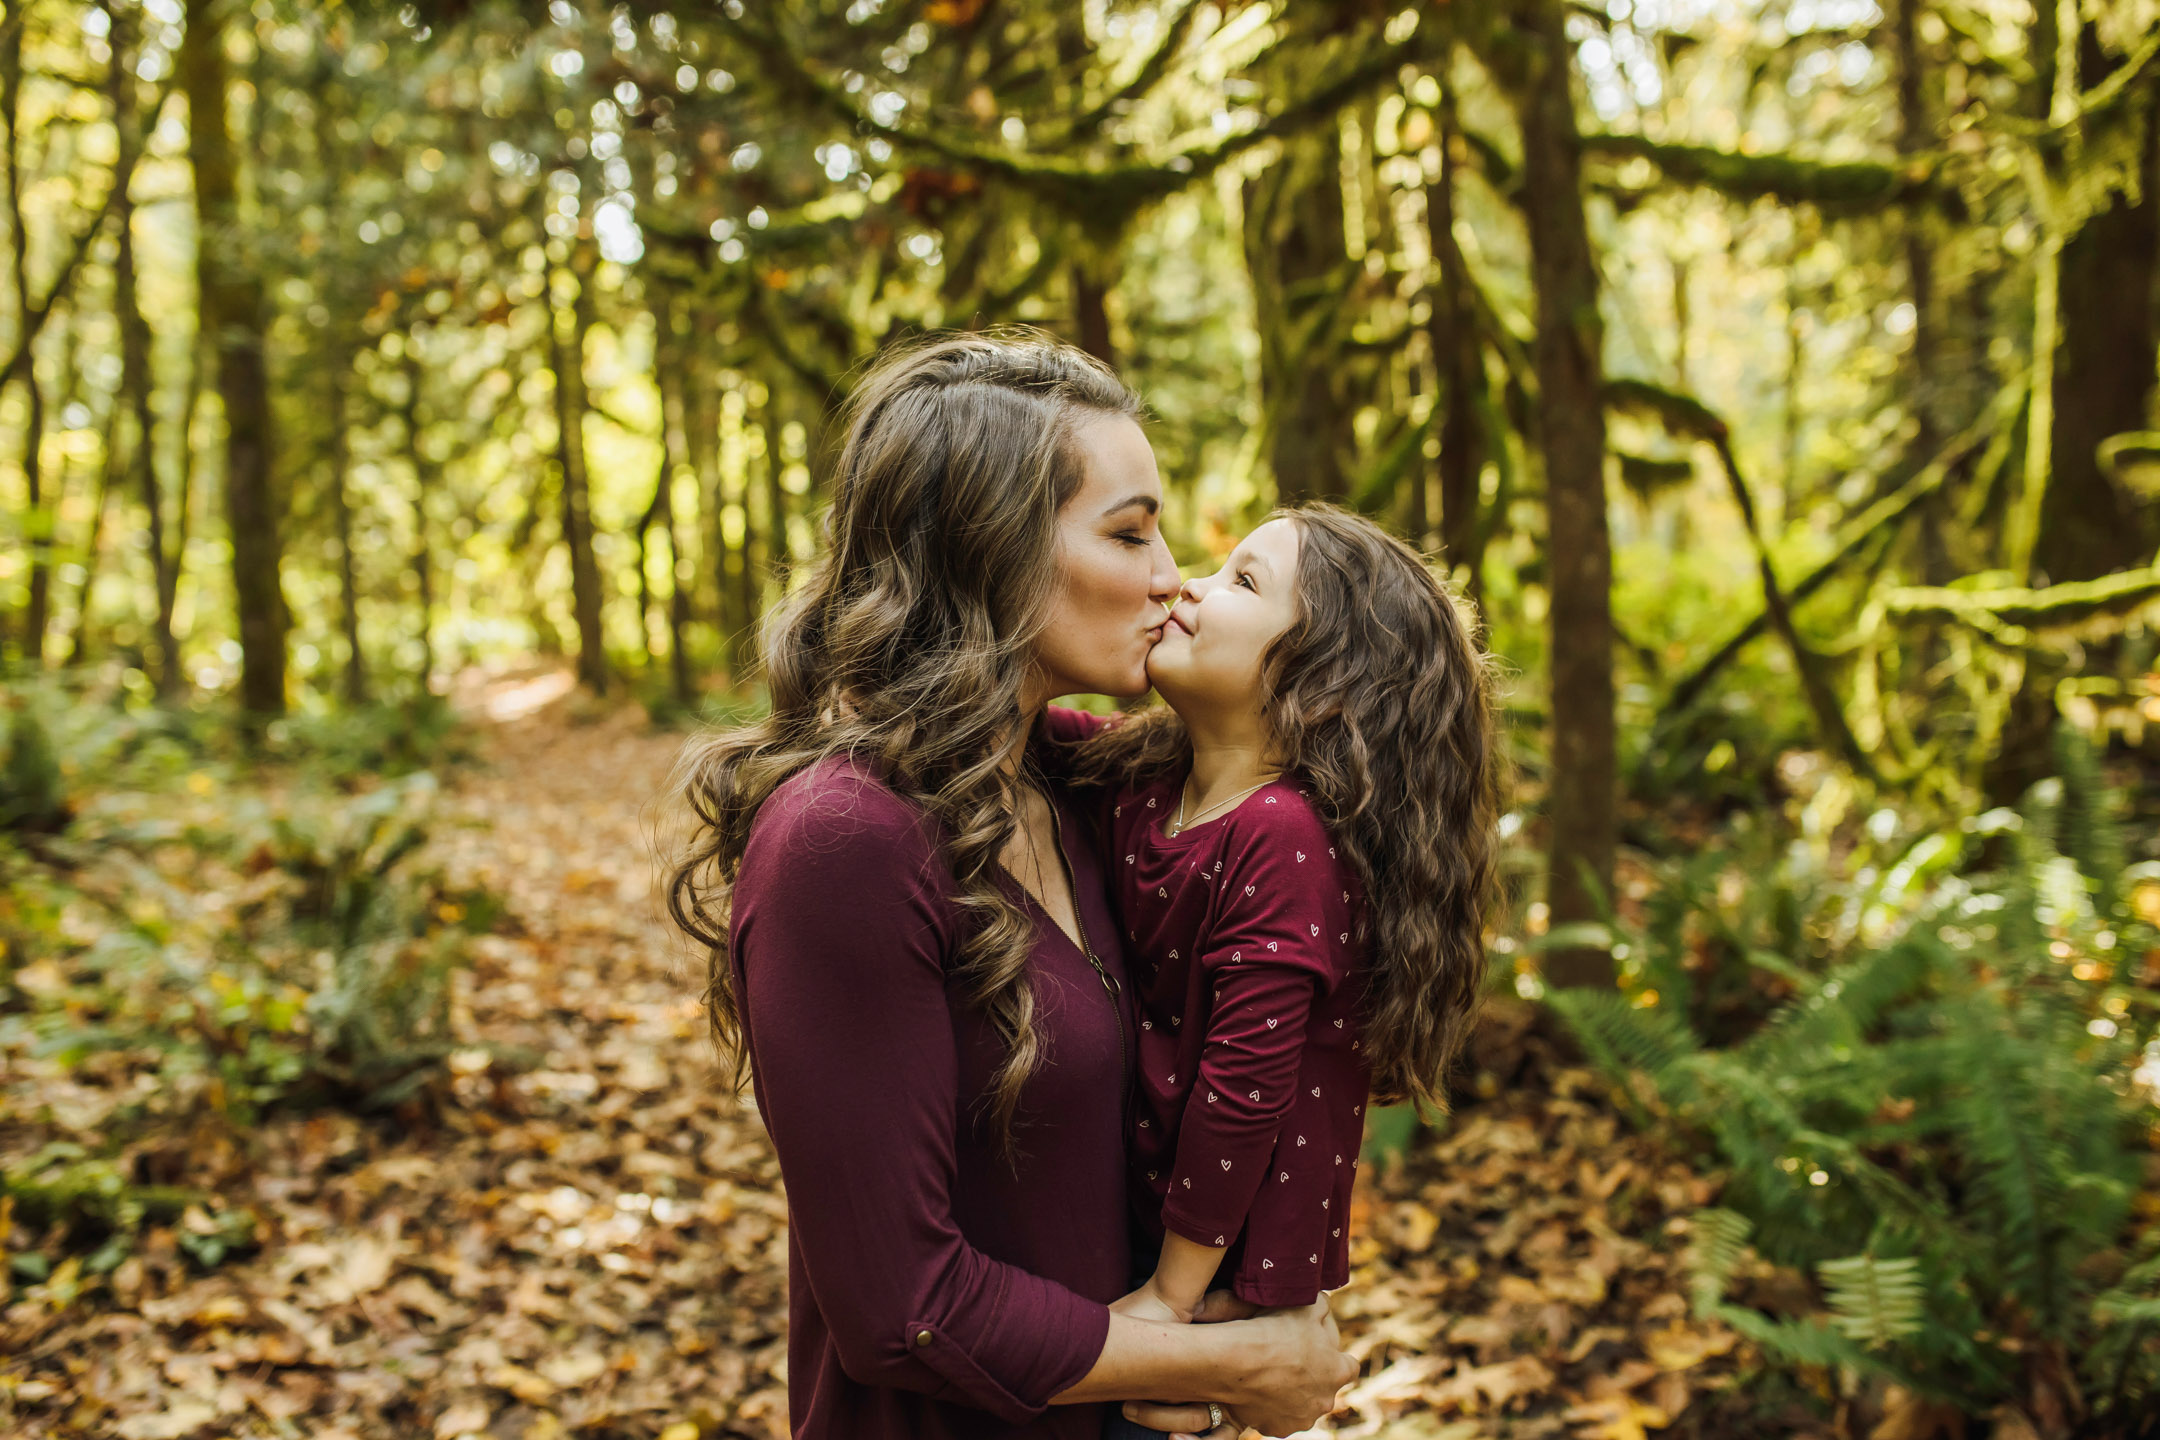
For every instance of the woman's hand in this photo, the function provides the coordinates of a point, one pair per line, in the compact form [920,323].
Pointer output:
[1299,1370]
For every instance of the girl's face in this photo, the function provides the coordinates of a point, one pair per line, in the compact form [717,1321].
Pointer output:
[1209,655]
[1115,573]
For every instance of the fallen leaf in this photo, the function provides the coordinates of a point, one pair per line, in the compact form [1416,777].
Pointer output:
[1621,1417]
[1491,1385]
[463,1418]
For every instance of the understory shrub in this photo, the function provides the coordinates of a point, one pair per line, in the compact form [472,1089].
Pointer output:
[1947,1117]
[187,953]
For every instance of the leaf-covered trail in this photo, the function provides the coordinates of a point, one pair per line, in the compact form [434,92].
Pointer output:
[591,1237]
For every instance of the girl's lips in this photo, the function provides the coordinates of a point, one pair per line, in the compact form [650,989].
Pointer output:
[1174,618]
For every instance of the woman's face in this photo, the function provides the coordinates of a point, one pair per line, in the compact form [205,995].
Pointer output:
[1115,574]
[1209,657]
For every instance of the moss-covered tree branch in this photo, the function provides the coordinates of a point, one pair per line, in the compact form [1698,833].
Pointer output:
[1837,187]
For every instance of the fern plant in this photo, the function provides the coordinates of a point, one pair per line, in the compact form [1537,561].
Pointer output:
[1941,1123]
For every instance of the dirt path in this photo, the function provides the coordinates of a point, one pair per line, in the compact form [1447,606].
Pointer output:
[594,1240]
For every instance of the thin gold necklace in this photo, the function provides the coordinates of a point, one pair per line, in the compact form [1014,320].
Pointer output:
[1179,822]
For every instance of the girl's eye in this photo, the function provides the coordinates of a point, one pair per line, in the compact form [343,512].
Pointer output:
[1246,580]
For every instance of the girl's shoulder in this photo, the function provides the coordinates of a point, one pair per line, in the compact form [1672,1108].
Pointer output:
[1280,814]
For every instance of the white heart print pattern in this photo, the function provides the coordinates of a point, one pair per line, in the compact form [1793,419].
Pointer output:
[1226,1164]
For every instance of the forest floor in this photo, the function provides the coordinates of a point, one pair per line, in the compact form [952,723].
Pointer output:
[597,1243]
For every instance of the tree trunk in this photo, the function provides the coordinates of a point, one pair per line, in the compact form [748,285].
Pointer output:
[423,563]
[669,360]
[38,521]
[1582,799]
[1299,265]
[779,554]
[340,360]
[1459,358]
[567,353]
[728,564]
[139,446]
[2103,385]
[1091,311]
[231,307]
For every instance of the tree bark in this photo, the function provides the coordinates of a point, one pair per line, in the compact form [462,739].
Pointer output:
[567,353]
[1295,252]
[1582,799]
[231,307]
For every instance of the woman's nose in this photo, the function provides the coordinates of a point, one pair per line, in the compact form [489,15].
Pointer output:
[1164,585]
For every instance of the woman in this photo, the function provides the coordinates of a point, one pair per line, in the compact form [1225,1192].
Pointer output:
[910,950]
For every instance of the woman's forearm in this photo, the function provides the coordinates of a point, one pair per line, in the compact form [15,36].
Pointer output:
[1149,1359]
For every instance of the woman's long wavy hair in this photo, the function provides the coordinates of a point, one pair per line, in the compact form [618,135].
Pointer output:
[1380,696]
[907,648]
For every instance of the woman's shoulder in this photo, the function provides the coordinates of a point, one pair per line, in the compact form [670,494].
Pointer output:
[838,806]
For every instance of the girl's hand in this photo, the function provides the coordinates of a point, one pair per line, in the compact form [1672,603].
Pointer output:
[1146,1303]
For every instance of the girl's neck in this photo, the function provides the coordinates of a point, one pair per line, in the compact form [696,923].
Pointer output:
[1229,754]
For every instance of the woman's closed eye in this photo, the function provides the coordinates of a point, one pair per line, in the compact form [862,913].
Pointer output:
[1131,537]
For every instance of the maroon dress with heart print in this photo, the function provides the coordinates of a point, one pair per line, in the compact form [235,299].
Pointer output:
[1247,967]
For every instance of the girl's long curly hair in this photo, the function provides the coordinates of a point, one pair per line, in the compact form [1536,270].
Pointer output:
[1380,696]
[907,648]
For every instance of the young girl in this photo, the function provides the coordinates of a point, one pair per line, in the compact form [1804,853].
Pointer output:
[1300,848]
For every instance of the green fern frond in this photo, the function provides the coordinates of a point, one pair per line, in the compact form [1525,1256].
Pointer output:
[1720,1245]
[1623,1039]
[1873,1301]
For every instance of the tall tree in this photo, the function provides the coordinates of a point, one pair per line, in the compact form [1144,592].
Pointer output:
[136,441]
[1458,355]
[1582,798]
[232,315]
[567,330]
[1301,273]
[38,516]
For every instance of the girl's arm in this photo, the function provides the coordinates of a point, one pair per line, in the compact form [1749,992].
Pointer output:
[1268,958]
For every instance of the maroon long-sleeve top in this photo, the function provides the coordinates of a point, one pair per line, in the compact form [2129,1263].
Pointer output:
[936,1289]
[1248,979]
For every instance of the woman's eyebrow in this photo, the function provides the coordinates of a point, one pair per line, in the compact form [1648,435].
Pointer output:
[1147,502]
